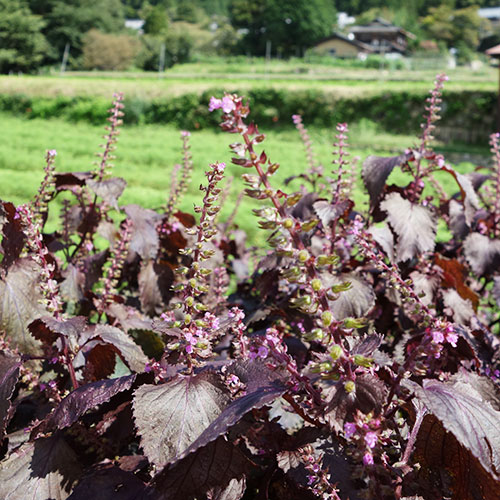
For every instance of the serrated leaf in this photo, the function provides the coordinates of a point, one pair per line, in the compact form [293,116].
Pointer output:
[154,281]
[353,303]
[20,298]
[262,387]
[469,197]
[13,235]
[9,374]
[463,412]
[48,329]
[384,237]
[414,225]
[369,396]
[482,253]
[233,491]
[109,482]
[462,310]
[328,212]
[144,240]
[212,466]
[78,402]
[109,189]
[457,223]
[376,170]
[425,286]
[71,288]
[45,469]
[171,416]
[130,352]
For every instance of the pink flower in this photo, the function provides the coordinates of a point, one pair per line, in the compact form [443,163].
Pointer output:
[214,104]
[263,352]
[368,459]
[371,439]
[227,104]
[437,337]
[452,339]
[349,429]
[52,153]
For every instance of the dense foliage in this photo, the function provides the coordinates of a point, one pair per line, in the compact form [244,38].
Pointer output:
[37,33]
[155,355]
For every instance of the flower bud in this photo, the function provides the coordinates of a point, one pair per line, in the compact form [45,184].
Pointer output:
[362,361]
[288,223]
[336,352]
[326,318]
[316,284]
[303,255]
[349,387]
[189,301]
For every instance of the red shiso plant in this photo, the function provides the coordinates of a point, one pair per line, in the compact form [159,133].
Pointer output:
[356,357]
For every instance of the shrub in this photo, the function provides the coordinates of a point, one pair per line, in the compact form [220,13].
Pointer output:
[105,51]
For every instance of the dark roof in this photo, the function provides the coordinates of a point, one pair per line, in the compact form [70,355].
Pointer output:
[380,25]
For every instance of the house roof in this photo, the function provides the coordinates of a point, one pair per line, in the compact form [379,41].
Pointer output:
[490,12]
[379,26]
[494,51]
[356,43]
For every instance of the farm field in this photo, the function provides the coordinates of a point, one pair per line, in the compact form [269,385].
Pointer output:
[198,77]
[147,154]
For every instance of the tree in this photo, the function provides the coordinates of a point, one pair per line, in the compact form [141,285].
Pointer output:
[106,51]
[22,45]
[454,27]
[155,20]
[289,26]
[67,21]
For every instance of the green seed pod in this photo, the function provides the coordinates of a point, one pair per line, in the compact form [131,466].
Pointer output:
[189,301]
[316,284]
[336,352]
[187,319]
[303,255]
[362,361]
[326,318]
[288,223]
[349,387]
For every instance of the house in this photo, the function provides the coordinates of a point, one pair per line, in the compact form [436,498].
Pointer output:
[492,14]
[382,36]
[337,45]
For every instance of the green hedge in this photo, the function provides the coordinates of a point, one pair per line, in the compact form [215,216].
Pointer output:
[471,114]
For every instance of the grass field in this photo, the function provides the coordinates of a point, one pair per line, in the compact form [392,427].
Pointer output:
[147,154]
[197,77]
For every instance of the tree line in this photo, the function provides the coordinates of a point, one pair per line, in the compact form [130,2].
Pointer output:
[35,33]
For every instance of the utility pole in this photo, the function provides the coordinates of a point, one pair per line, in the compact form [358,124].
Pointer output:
[65,58]
[161,64]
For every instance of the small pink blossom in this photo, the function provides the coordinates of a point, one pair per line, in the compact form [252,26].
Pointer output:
[52,153]
[437,337]
[214,104]
[227,104]
[263,352]
[452,339]
[371,439]
[189,348]
[368,459]
[349,429]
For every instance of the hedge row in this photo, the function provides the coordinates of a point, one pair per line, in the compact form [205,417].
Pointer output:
[469,115]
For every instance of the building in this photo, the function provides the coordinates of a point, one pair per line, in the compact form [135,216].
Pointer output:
[337,45]
[382,36]
[492,14]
